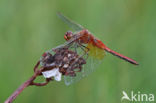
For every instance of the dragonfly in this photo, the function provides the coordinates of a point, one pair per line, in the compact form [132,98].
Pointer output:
[86,45]
[85,37]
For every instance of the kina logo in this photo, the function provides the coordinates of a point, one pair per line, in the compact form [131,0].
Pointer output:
[140,97]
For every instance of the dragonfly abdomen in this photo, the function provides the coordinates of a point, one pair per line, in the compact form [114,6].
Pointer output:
[121,56]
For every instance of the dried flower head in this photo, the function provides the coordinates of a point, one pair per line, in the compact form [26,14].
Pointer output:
[64,61]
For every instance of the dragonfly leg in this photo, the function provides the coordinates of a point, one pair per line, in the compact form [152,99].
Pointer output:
[75,46]
[85,49]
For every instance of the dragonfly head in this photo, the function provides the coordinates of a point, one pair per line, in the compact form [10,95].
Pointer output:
[68,35]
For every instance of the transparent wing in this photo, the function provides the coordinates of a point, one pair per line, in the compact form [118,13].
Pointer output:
[72,24]
[69,42]
[94,58]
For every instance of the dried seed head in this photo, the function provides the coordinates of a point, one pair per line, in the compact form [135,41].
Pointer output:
[68,62]
[47,59]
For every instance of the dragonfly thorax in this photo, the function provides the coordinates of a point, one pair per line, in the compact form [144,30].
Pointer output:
[82,37]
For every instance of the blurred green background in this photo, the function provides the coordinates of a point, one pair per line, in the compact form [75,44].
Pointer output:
[30,27]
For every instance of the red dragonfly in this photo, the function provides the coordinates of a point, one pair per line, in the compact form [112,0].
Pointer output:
[85,44]
[83,36]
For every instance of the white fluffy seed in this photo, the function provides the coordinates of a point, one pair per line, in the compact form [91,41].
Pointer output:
[65,65]
[69,55]
[53,73]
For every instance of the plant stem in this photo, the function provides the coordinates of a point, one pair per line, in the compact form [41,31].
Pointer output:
[19,90]
[29,82]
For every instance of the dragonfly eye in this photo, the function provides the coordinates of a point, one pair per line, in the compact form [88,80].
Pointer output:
[68,35]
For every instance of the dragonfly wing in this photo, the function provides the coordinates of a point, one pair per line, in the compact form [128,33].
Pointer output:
[72,24]
[69,42]
[95,58]
[87,69]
